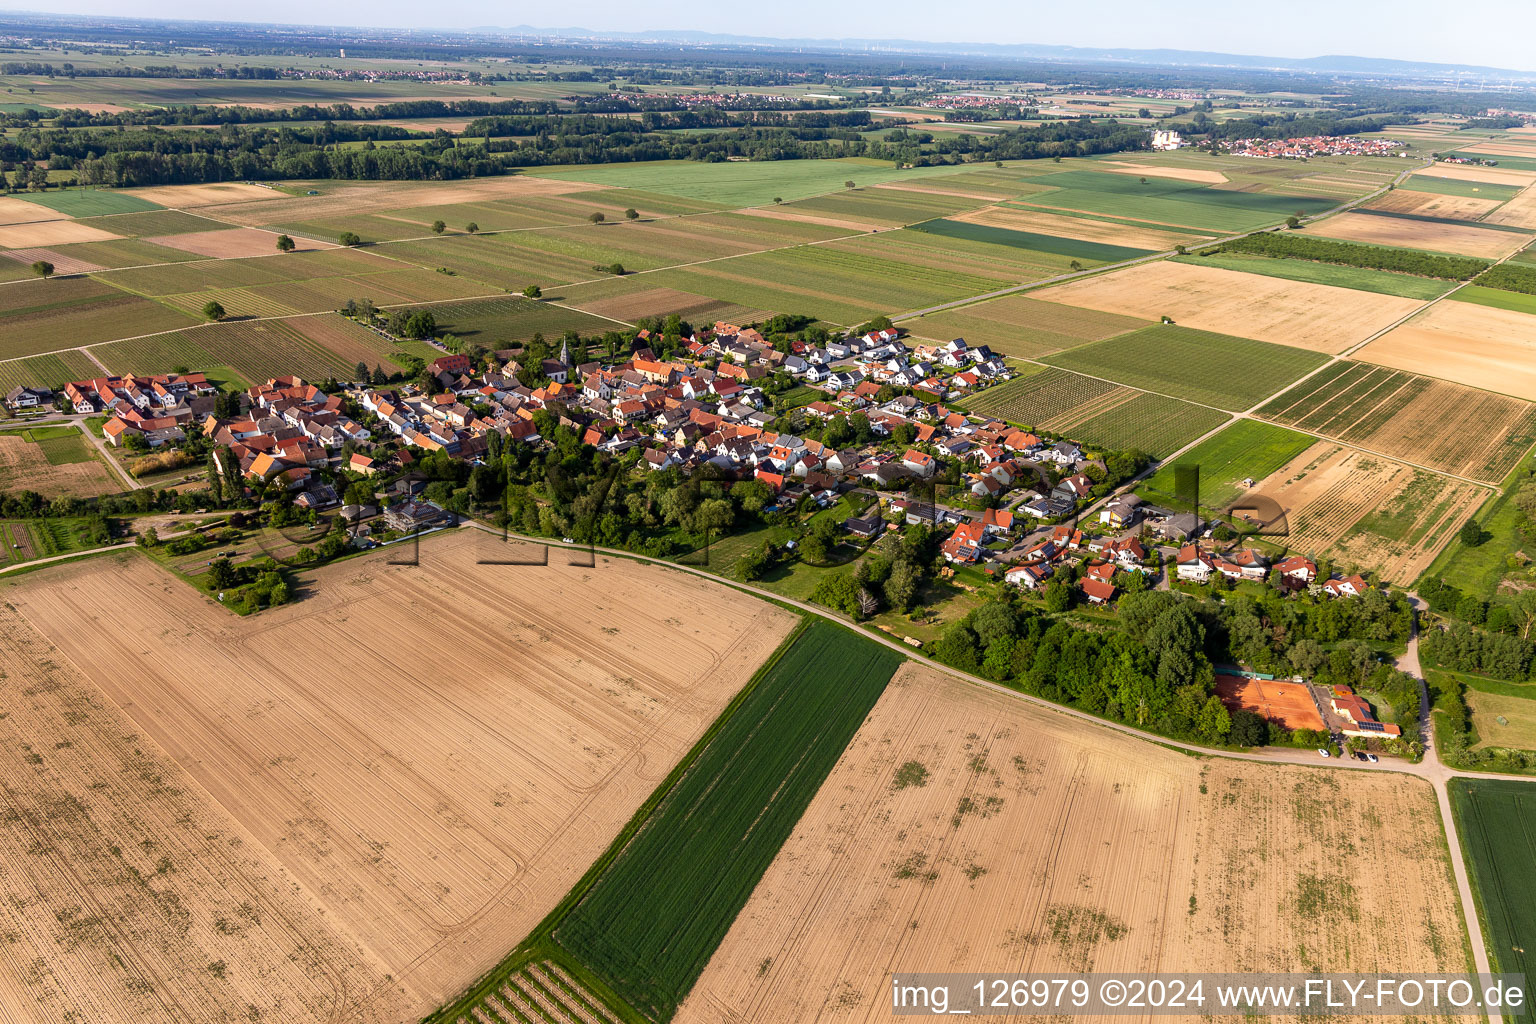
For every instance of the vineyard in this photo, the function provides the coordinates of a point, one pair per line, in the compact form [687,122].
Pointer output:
[50,370]
[492,323]
[1434,423]
[311,347]
[1028,401]
[650,923]
[1213,369]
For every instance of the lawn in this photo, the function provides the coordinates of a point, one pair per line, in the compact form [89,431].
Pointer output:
[1248,448]
[89,202]
[1494,820]
[737,183]
[1359,278]
[1213,369]
[653,919]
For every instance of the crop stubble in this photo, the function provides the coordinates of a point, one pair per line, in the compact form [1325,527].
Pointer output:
[431,753]
[1040,844]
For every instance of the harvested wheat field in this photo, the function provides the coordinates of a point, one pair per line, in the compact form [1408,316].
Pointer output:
[1312,316]
[1060,226]
[1519,212]
[1205,175]
[50,232]
[1384,229]
[181,197]
[1514,148]
[19,211]
[964,830]
[1482,346]
[391,781]
[62,263]
[233,243]
[1430,204]
[75,473]
[1473,172]
[1360,509]
[803,217]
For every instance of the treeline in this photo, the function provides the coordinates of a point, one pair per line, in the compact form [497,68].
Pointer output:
[1463,648]
[195,114]
[1290,126]
[1349,254]
[1509,277]
[68,70]
[152,156]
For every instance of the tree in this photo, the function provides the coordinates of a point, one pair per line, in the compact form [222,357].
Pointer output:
[616,269]
[596,217]
[1075,265]
[221,575]
[349,238]
[1293,222]
[43,269]
[472,227]
[631,214]
[212,310]
[438,227]
[1248,729]
[1471,533]
[777,200]
[285,244]
[360,372]
[533,291]
[848,184]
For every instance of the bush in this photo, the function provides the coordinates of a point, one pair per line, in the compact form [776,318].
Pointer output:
[349,238]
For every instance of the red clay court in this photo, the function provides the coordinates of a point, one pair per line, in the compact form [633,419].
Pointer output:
[1277,700]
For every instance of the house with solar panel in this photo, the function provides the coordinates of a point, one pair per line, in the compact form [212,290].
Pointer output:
[1358,717]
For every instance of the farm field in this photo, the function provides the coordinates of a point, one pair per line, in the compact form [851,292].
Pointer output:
[492,323]
[1247,448]
[1096,412]
[361,850]
[1473,172]
[231,243]
[1406,231]
[50,232]
[964,830]
[1477,294]
[1431,422]
[1120,233]
[1455,206]
[1492,816]
[1364,510]
[1519,212]
[1018,325]
[1466,342]
[650,923]
[1168,202]
[54,465]
[1423,185]
[1073,248]
[88,202]
[40,316]
[50,370]
[1311,316]
[1362,279]
[732,185]
[313,347]
[1212,369]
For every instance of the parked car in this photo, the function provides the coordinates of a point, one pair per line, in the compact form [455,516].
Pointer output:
[1324,751]
[1372,758]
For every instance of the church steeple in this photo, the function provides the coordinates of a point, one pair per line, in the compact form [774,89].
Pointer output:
[565,352]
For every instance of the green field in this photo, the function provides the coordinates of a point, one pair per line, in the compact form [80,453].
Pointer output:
[1494,819]
[492,323]
[1456,187]
[1093,252]
[1054,399]
[41,316]
[1248,448]
[1016,325]
[1382,282]
[1518,302]
[652,920]
[1213,369]
[89,202]
[1169,201]
[742,184]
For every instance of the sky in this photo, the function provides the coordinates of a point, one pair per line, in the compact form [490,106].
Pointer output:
[1496,33]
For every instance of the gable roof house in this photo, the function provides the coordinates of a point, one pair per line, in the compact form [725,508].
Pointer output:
[964,546]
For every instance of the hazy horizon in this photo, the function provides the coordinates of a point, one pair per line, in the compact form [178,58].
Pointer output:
[1497,36]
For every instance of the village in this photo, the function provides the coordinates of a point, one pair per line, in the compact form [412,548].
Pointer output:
[1010,503]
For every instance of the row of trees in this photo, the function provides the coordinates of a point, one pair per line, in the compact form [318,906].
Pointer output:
[1372,257]
[1510,277]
